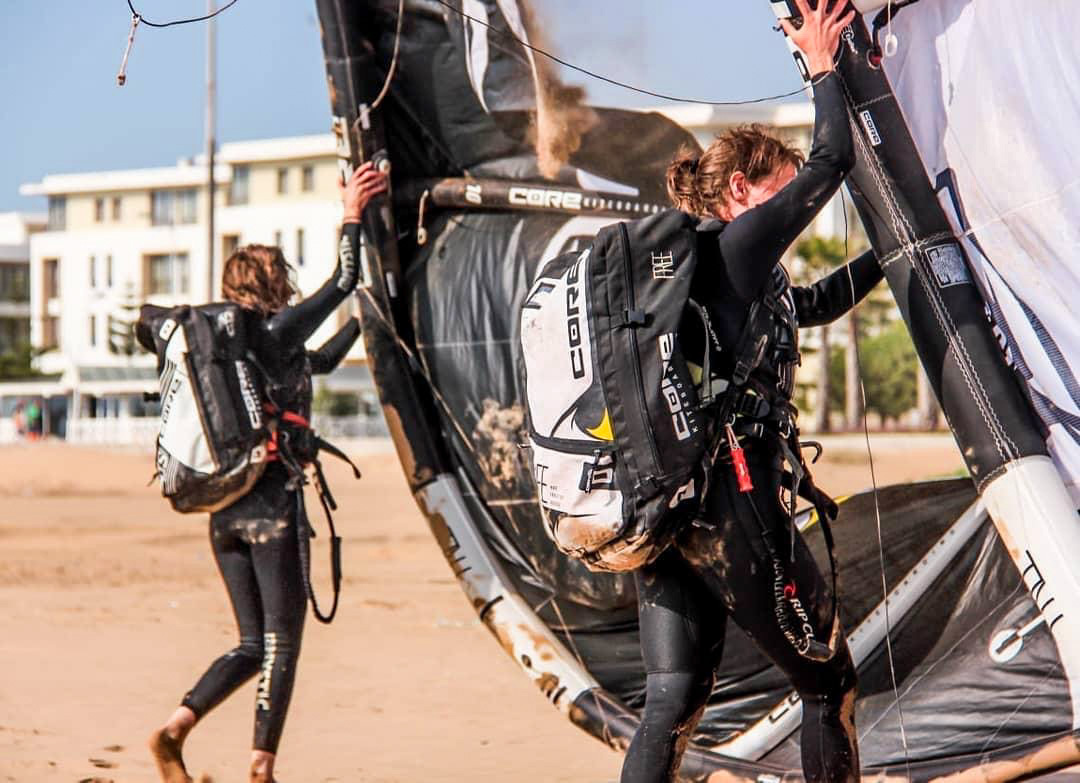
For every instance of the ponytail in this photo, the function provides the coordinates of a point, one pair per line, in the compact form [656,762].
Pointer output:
[682,181]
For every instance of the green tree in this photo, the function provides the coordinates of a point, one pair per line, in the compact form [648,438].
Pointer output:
[122,325]
[820,256]
[890,369]
[17,363]
[333,403]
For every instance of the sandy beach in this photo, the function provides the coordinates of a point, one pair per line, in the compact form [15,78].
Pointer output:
[113,607]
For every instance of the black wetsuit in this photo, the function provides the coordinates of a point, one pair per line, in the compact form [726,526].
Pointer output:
[255,539]
[738,559]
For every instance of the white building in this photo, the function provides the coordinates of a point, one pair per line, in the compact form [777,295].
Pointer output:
[15,231]
[117,239]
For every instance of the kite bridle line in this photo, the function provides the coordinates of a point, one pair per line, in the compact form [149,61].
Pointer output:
[136,18]
[174,22]
[877,505]
[608,79]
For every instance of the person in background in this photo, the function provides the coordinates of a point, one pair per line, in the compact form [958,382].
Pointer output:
[255,540]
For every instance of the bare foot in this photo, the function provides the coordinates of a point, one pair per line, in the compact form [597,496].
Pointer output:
[166,753]
[262,767]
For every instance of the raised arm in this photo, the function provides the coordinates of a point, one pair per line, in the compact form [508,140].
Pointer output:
[831,297]
[753,243]
[296,324]
[757,237]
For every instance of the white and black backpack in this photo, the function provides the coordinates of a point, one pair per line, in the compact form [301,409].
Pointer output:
[212,444]
[220,426]
[620,442]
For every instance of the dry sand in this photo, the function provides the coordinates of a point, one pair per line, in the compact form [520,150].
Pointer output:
[113,606]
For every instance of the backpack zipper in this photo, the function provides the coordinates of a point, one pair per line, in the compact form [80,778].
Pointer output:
[635,355]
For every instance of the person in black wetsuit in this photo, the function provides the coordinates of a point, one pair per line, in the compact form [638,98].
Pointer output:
[743,557]
[255,539]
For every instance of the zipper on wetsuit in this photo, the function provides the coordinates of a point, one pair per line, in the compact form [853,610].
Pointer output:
[635,355]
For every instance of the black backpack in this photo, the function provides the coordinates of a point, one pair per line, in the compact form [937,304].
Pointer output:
[220,427]
[621,443]
[212,444]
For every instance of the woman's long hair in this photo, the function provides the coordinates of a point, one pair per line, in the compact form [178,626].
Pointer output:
[257,277]
[698,182]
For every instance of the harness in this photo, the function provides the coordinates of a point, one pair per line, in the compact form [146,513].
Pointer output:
[751,408]
[295,445]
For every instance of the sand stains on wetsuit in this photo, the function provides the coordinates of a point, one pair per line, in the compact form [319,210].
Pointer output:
[723,565]
[254,540]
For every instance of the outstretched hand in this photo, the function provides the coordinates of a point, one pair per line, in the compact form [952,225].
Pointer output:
[819,34]
[365,183]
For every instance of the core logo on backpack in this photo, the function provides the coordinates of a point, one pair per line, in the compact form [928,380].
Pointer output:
[618,445]
[212,441]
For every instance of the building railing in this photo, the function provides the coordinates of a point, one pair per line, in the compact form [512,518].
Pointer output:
[141,431]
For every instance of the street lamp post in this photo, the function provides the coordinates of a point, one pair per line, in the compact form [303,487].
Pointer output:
[211,145]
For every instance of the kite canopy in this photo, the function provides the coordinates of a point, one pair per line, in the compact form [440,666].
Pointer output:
[496,168]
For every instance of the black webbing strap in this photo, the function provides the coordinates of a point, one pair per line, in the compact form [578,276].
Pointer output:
[801,484]
[304,530]
[304,534]
[815,650]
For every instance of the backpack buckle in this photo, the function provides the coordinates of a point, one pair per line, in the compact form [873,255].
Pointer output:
[588,470]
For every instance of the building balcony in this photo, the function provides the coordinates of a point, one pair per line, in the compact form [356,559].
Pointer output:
[9,309]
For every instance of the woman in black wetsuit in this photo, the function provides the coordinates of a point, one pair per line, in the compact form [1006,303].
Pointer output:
[254,540]
[739,559]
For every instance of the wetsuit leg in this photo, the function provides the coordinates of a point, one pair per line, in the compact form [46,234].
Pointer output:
[284,601]
[682,634]
[734,562]
[240,664]
[255,545]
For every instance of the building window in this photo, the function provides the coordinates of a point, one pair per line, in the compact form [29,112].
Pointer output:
[14,333]
[99,210]
[229,243]
[116,212]
[238,188]
[167,273]
[171,207]
[92,331]
[93,272]
[50,332]
[307,179]
[108,271]
[186,206]
[57,213]
[14,282]
[282,181]
[51,281]
[299,247]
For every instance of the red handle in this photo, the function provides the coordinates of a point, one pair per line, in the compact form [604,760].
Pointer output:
[742,472]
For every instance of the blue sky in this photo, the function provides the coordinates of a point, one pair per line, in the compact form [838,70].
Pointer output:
[64,113]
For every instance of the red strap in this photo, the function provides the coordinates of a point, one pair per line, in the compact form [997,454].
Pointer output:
[295,418]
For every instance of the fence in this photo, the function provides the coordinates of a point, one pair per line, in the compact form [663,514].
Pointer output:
[141,431]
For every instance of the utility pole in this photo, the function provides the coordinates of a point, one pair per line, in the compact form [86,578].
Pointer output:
[211,147]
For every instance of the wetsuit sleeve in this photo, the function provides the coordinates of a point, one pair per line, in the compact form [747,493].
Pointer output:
[330,353]
[752,244]
[294,325]
[831,297]
[144,337]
